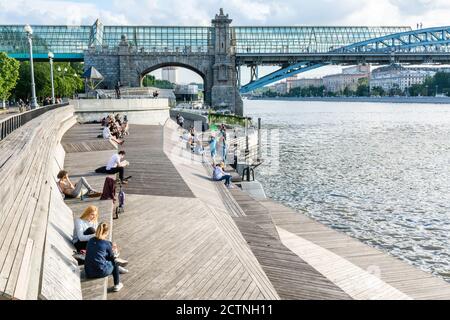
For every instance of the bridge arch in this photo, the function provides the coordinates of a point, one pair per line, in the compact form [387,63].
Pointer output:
[141,65]
[171,64]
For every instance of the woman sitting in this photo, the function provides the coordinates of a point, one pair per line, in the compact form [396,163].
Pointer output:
[101,260]
[74,191]
[85,227]
[220,175]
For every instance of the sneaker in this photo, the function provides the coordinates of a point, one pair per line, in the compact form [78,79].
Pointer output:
[122,270]
[94,194]
[118,287]
[121,262]
[230,186]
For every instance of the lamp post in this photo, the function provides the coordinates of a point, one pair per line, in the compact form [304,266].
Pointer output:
[64,78]
[50,57]
[29,32]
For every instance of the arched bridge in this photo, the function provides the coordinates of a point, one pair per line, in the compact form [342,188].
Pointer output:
[217,52]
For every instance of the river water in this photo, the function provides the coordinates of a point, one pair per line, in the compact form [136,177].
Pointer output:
[378,172]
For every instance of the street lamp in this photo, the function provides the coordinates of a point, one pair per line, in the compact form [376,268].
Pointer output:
[64,77]
[29,32]
[50,57]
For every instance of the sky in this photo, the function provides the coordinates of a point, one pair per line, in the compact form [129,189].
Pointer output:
[252,12]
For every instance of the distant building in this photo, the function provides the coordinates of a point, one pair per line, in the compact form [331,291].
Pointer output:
[169,74]
[396,76]
[281,88]
[186,92]
[349,78]
[303,83]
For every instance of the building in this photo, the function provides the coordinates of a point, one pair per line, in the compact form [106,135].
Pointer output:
[303,83]
[281,88]
[169,74]
[396,76]
[349,78]
[186,92]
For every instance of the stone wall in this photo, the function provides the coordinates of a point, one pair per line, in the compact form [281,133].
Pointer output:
[138,111]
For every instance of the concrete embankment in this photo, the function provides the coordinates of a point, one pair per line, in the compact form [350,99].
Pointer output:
[138,111]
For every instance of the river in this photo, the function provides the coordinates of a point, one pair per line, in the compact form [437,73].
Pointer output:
[378,172]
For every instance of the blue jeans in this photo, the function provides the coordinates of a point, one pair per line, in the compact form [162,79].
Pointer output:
[111,268]
[226,177]
[224,153]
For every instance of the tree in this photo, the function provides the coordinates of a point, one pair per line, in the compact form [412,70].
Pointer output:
[378,91]
[67,81]
[363,87]
[151,81]
[9,74]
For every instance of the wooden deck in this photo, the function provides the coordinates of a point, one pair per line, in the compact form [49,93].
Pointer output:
[360,271]
[152,171]
[186,237]
[178,246]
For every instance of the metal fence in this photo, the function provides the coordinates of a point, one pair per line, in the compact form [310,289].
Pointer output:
[14,122]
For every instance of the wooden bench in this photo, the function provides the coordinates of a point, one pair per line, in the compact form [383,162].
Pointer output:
[93,289]
[29,206]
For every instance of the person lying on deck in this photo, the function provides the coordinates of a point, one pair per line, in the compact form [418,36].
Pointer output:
[101,258]
[117,165]
[74,191]
[85,227]
[220,175]
[108,135]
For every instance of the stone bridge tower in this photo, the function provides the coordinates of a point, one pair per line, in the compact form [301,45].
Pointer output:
[217,65]
[224,91]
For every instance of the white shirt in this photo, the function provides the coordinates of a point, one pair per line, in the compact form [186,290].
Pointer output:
[113,162]
[106,133]
[80,226]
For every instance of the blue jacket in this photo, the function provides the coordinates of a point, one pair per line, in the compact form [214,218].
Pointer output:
[99,255]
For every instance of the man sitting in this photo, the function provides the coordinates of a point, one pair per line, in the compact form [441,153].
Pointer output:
[117,164]
[74,191]
[220,175]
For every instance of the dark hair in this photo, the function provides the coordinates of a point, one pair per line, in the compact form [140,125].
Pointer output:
[61,174]
[122,152]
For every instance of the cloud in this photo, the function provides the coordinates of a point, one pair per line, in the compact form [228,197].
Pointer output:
[249,12]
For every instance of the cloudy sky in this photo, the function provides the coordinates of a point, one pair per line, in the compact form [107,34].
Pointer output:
[243,12]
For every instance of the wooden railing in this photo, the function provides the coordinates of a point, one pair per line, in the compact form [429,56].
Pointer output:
[11,123]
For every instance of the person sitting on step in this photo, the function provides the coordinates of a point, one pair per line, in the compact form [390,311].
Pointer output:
[85,227]
[117,165]
[101,260]
[220,175]
[74,191]
[108,135]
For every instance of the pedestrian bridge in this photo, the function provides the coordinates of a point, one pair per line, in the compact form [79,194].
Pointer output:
[217,52]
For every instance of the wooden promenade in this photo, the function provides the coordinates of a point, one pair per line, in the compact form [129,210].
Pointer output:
[187,237]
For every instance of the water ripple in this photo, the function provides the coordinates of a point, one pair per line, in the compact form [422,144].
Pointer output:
[377,172]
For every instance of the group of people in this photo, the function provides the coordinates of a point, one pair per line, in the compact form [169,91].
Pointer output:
[195,145]
[115,128]
[48,101]
[90,238]
[222,138]
[101,255]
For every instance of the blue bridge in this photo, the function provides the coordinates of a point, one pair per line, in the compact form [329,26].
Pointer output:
[217,52]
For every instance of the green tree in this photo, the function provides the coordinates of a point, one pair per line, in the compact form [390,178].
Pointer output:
[151,81]
[363,87]
[67,81]
[378,91]
[9,74]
